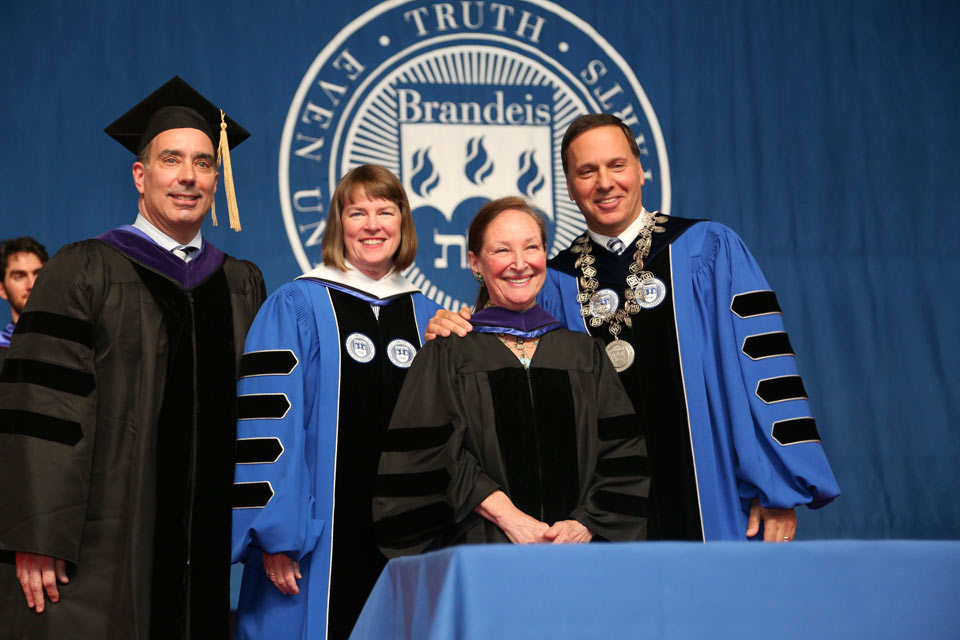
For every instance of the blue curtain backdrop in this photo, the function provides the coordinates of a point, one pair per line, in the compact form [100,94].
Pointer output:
[824,132]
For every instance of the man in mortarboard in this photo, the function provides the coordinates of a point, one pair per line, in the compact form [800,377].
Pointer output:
[118,404]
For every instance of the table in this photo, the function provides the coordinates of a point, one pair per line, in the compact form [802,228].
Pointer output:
[835,589]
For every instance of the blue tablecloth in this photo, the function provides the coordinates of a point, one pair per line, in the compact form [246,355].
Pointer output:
[839,589]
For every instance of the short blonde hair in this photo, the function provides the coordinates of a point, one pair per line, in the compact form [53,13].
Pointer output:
[377,183]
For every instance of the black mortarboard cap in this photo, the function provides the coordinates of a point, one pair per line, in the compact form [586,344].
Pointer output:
[175,105]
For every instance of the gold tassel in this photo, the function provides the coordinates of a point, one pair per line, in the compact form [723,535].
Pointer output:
[223,151]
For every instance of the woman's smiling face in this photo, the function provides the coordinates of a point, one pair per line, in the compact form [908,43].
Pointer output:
[512,260]
[371,233]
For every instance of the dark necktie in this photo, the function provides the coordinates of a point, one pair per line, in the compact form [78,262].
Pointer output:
[184,252]
[616,245]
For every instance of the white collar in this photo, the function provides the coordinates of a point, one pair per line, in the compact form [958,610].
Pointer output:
[162,239]
[626,236]
[389,286]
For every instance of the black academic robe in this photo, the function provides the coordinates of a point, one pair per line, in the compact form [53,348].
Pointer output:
[559,439]
[117,428]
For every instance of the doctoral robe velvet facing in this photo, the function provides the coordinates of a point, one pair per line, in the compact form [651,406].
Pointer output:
[560,439]
[318,384]
[118,416]
[715,378]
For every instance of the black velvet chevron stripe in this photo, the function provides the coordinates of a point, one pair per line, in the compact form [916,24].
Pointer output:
[618,428]
[37,425]
[57,326]
[780,389]
[767,345]
[416,438]
[755,303]
[622,503]
[258,450]
[409,485]
[625,466]
[413,525]
[795,430]
[251,495]
[280,362]
[255,406]
[51,376]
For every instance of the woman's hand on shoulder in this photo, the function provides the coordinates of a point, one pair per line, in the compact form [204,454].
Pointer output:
[568,531]
[282,572]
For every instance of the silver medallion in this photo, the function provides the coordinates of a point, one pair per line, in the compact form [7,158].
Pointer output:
[621,354]
[650,292]
[401,353]
[360,347]
[604,303]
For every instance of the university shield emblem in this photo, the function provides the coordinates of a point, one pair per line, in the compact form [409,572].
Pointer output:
[465,102]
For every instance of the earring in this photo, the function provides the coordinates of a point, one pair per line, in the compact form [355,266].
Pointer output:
[478,277]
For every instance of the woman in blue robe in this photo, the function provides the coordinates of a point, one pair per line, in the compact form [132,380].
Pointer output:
[323,365]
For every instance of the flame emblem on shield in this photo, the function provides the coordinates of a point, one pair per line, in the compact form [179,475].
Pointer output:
[531,179]
[479,165]
[424,177]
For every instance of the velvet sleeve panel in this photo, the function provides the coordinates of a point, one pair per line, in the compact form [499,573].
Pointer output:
[48,406]
[428,481]
[757,389]
[274,503]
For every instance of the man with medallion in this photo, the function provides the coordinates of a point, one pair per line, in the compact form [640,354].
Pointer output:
[697,337]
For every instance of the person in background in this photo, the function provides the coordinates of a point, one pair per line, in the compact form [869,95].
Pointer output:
[520,432]
[323,364]
[697,337]
[118,405]
[20,262]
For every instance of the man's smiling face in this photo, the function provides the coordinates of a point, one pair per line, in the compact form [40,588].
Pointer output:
[604,178]
[177,182]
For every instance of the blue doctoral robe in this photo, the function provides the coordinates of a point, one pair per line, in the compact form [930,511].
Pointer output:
[747,418]
[299,433]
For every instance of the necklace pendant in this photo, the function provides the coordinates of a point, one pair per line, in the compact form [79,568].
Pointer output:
[603,304]
[648,292]
[621,354]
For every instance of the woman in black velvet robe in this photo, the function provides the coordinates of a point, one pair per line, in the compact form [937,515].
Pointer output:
[519,432]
